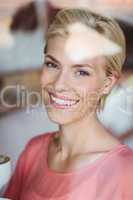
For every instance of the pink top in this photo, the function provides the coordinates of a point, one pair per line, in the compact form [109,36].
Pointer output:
[108,178]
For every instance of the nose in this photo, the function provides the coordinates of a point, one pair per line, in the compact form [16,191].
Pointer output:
[61,82]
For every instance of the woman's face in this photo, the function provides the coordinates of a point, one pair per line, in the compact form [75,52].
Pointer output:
[70,90]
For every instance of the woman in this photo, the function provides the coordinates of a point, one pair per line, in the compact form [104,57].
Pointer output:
[81,160]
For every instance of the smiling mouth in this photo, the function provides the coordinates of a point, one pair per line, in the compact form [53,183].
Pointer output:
[61,102]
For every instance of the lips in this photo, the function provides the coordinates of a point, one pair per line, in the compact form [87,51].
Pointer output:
[62,97]
[62,101]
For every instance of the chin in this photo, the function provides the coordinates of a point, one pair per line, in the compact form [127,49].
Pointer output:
[62,118]
[69,115]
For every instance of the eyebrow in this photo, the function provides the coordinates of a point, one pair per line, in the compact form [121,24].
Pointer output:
[83,65]
[74,66]
[52,58]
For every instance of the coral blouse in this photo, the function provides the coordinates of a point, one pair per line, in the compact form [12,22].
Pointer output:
[108,178]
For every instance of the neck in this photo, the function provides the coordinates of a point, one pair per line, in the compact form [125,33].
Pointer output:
[86,135]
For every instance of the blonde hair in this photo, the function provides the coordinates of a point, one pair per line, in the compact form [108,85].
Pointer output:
[102,24]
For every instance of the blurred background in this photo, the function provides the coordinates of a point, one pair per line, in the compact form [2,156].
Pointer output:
[23,26]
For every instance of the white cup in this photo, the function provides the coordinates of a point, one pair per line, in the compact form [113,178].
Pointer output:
[5,170]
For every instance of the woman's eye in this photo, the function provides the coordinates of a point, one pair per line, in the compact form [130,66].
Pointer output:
[50,65]
[83,73]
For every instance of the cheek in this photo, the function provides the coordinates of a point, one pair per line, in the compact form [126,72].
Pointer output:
[89,94]
[47,78]
[90,83]
[89,87]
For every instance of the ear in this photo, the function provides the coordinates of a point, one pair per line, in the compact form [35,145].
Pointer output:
[109,82]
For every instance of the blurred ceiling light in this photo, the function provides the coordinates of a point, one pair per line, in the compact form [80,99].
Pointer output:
[6,38]
[97,3]
[115,8]
[77,47]
[69,3]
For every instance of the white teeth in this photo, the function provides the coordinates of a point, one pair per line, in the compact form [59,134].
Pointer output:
[63,102]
